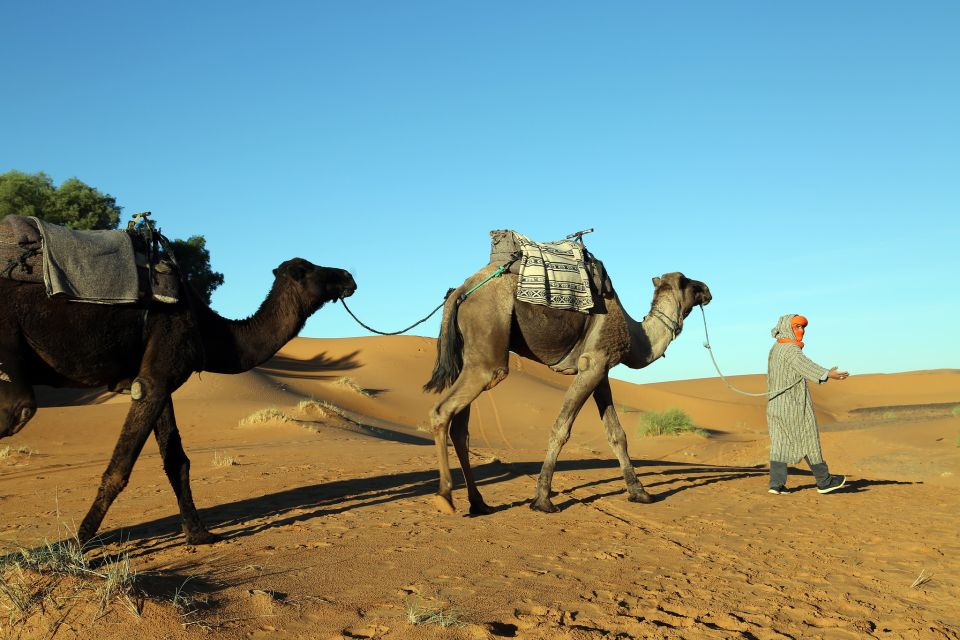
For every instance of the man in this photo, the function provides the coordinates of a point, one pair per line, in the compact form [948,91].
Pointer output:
[793,427]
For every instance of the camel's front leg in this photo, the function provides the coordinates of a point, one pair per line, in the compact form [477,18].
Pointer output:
[177,466]
[618,441]
[584,384]
[17,402]
[140,420]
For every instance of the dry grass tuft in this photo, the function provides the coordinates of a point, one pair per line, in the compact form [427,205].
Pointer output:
[10,451]
[670,422]
[319,409]
[266,416]
[223,460]
[921,580]
[419,614]
[54,577]
[350,383]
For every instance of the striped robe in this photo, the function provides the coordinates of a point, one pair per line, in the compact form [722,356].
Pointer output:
[790,419]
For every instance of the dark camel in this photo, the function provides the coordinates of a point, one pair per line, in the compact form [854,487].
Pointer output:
[473,355]
[151,350]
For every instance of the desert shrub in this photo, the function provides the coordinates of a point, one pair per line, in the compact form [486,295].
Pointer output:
[223,460]
[350,383]
[58,575]
[672,421]
[271,414]
[319,408]
[10,451]
[419,614]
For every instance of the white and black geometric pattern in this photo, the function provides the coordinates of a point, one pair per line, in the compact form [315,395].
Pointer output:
[553,274]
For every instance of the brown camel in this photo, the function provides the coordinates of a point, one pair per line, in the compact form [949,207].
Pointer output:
[150,349]
[473,355]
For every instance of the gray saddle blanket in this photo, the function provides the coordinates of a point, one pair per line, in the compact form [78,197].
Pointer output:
[87,266]
[560,275]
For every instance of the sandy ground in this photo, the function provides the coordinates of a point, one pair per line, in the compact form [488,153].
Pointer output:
[331,531]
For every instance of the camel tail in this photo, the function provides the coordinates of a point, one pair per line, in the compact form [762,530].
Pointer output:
[449,349]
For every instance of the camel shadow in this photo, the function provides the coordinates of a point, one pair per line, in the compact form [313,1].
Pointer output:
[310,369]
[250,516]
[247,517]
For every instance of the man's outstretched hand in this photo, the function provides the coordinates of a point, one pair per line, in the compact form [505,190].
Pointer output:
[833,374]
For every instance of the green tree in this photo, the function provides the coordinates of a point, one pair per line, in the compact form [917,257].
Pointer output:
[73,204]
[194,260]
[77,205]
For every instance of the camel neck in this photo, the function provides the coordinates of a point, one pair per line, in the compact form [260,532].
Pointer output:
[234,346]
[650,338]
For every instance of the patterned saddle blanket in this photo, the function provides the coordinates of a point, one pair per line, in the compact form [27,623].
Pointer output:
[104,267]
[560,275]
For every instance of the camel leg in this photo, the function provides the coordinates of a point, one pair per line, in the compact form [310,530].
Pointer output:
[470,384]
[177,466]
[17,402]
[136,428]
[583,385]
[461,443]
[618,441]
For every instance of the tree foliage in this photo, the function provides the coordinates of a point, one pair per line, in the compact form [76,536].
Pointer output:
[77,205]
[194,260]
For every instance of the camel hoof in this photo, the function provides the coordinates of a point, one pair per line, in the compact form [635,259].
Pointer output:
[544,506]
[444,504]
[481,509]
[203,537]
[643,498]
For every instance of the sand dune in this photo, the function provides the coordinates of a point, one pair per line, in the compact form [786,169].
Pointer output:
[331,532]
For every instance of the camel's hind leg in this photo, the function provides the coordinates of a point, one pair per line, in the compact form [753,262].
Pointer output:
[461,443]
[470,384]
[618,441]
[177,467]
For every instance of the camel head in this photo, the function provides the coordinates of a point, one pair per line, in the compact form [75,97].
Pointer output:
[314,285]
[679,294]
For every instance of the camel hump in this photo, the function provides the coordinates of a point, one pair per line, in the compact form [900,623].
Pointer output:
[103,266]
[561,274]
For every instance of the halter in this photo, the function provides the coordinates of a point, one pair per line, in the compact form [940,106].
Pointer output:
[675,326]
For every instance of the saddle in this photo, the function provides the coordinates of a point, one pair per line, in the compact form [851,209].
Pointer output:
[104,267]
[562,274]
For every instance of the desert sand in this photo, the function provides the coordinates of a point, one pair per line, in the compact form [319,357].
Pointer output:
[330,530]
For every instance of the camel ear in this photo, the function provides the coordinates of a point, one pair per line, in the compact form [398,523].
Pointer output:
[656,282]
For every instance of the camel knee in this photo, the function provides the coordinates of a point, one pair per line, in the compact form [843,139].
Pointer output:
[16,412]
[497,377]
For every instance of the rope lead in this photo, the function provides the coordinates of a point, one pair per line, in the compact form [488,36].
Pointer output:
[709,349]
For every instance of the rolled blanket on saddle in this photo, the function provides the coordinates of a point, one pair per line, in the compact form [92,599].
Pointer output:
[554,274]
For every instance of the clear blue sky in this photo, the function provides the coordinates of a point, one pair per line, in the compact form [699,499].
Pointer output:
[797,157]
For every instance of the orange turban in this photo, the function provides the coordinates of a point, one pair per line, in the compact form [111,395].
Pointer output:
[798,323]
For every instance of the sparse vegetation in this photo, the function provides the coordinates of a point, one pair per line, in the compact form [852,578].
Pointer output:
[22,450]
[444,617]
[58,575]
[921,580]
[264,416]
[956,411]
[350,383]
[224,460]
[673,421]
[319,408]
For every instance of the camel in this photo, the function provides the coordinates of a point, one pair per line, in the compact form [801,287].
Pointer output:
[477,335]
[149,349]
